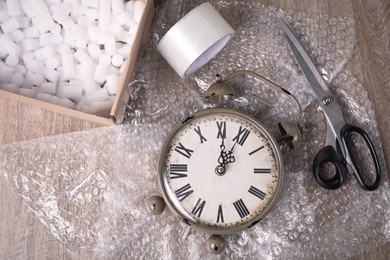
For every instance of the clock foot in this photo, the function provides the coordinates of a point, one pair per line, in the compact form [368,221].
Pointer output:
[216,244]
[155,205]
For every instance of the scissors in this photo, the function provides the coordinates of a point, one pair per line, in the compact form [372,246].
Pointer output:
[338,131]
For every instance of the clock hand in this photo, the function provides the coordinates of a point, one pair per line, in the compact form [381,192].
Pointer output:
[222,155]
[226,157]
[229,156]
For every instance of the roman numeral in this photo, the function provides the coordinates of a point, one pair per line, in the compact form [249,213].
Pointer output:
[256,150]
[258,193]
[241,208]
[197,210]
[242,135]
[184,192]
[177,171]
[183,151]
[221,130]
[220,215]
[197,130]
[261,170]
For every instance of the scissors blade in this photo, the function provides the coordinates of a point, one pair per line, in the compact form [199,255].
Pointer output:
[327,100]
[313,76]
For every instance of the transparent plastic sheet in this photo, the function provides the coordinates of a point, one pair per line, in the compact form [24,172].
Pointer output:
[88,188]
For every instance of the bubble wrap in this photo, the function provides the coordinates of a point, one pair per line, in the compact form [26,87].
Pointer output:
[88,188]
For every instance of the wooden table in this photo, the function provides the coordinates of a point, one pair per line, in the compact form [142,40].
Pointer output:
[21,234]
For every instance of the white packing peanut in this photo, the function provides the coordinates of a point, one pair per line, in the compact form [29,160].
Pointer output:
[3,54]
[53,62]
[129,6]
[93,32]
[122,68]
[68,23]
[78,10]
[51,75]
[105,38]
[20,69]
[6,73]
[87,69]
[112,82]
[48,87]
[76,83]
[100,95]
[104,14]
[54,100]
[45,52]
[44,39]
[105,59]
[3,15]
[63,9]
[94,50]
[60,87]
[124,19]
[63,48]
[72,92]
[117,60]
[133,28]
[139,8]
[83,20]
[43,22]
[31,32]
[10,25]
[69,70]
[32,93]
[98,108]
[9,87]
[17,79]
[92,14]
[17,36]
[34,65]
[54,1]
[118,32]
[117,6]
[81,56]
[33,8]
[100,73]
[67,103]
[13,8]
[124,51]
[56,29]
[12,60]
[90,3]
[60,18]
[110,49]
[90,86]
[36,79]
[112,70]
[44,97]
[24,21]
[8,46]
[30,44]
[56,38]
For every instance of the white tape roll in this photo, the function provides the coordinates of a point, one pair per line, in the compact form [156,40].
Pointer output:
[195,39]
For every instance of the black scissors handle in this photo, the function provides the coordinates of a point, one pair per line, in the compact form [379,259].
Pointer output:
[328,154]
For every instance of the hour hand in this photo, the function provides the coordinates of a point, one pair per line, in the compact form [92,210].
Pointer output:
[222,155]
[226,157]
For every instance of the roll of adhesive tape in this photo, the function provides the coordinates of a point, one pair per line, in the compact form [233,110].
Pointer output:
[195,39]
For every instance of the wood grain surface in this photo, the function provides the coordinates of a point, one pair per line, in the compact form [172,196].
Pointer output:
[23,237]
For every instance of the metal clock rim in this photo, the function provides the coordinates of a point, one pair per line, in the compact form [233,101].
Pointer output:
[234,228]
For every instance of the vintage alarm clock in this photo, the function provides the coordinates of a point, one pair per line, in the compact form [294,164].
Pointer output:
[220,171]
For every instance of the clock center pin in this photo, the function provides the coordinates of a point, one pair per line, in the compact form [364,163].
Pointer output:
[220,170]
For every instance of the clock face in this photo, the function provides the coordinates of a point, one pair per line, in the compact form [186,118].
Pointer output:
[220,171]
